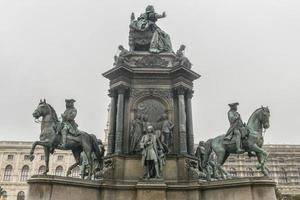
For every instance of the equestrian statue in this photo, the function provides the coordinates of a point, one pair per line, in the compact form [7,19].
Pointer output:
[240,138]
[65,135]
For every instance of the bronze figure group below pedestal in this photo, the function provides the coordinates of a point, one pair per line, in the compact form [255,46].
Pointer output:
[153,143]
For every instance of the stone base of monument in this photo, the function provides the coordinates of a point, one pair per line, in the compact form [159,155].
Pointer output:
[63,188]
[129,168]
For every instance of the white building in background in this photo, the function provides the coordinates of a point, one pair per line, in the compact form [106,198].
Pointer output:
[283,163]
[16,168]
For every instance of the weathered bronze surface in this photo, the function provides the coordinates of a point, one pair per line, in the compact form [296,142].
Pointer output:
[78,141]
[152,154]
[251,141]
[136,133]
[145,35]
[121,59]
[166,130]
[181,59]
[151,90]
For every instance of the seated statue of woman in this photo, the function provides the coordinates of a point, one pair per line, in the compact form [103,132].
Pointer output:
[147,22]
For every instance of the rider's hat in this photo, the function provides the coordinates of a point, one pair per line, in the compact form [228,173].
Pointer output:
[233,104]
[70,101]
[149,9]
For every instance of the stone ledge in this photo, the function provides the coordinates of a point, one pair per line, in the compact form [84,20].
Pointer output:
[51,179]
[65,188]
[238,182]
[159,184]
[139,156]
[192,185]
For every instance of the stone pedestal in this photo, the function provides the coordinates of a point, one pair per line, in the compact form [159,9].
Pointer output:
[150,85]
[151,190]
[129,168]
[62,188]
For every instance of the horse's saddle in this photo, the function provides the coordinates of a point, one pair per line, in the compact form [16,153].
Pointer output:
[245,134]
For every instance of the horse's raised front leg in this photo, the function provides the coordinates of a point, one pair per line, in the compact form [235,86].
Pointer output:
[41,143]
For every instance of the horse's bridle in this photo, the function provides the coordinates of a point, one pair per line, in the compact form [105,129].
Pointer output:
[36,120]
[263,121]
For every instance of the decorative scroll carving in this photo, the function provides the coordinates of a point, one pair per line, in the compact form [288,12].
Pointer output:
[165,93]
[107,170]
[151,60]
[193,170]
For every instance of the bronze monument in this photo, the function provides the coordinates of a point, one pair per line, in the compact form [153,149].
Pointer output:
[150,147]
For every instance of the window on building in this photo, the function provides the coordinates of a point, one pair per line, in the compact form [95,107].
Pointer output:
[26,157]
[281,160]
[76,172]
[10,157]
[42,169]
[271,174]
[59,171]
[21,195]
[24,173]
[232,171]
[60,158]
[42,157]
[7,173]
[249,172]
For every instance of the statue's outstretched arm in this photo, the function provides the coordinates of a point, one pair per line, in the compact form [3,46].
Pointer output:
[158,16]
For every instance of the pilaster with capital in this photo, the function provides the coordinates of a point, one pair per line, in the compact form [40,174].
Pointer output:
[190,132]
[120,120]
[112,123]
[182,119]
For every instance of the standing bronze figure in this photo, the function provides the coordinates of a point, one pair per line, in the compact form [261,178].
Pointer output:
[150,155]
[136,132]
[166,130]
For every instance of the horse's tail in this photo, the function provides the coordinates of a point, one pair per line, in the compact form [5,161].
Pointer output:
[98,153]
[208,151]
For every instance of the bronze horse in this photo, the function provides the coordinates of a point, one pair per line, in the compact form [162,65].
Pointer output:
[50,138]
[252,143]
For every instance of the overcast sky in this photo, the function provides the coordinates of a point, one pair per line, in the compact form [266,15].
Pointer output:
[246,51]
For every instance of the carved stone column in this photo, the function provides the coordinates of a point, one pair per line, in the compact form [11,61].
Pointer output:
[190,132]
[182,120]
[112,123]
[120,121]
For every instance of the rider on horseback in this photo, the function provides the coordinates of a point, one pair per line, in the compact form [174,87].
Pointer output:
[237,127]
[69,126]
